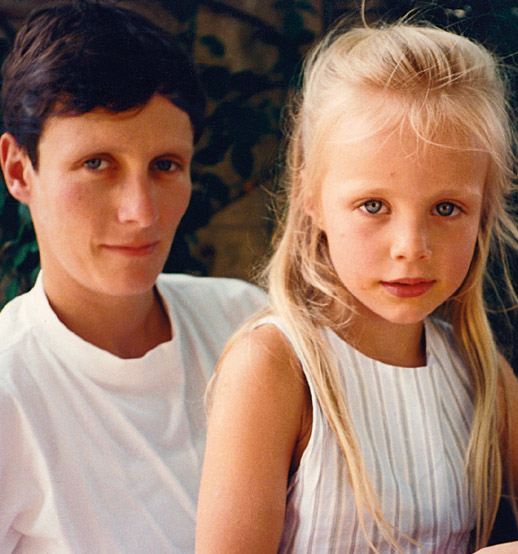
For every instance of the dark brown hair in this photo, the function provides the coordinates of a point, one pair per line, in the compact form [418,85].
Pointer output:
[88,54]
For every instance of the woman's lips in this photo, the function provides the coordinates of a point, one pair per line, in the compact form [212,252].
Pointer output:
[408,288]
[132,250]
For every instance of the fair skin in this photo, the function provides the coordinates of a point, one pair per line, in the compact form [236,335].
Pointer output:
[507,548]
[410,225]
[106,199]
[259,425]
[509,445]
[409,220]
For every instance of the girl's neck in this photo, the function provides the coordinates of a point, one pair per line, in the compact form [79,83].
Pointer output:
[391,343]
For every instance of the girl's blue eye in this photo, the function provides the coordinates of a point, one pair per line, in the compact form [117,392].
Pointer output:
[446,209]
[372,206]
[165,165]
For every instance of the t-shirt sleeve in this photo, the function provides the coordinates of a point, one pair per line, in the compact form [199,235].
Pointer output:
[24,485]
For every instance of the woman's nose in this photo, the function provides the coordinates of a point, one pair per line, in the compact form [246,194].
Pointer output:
[137,201]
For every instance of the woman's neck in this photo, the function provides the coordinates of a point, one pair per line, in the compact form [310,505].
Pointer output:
[128,327]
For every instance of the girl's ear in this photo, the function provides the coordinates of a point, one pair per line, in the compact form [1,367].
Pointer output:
[17,168]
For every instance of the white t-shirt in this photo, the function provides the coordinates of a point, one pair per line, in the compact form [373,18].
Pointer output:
[102,455]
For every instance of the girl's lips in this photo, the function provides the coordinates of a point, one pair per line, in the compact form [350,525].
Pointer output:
[408,288]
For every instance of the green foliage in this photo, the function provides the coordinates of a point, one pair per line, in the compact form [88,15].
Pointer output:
[19,260]
[216,47]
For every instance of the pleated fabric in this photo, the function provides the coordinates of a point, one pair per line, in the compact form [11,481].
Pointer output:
[413,427]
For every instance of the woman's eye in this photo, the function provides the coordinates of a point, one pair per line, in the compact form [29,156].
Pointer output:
[95,163]
[166,165]
[373,206]
[446,209]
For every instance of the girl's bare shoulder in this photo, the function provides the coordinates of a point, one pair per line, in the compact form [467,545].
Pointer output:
[508,418]
[262,353]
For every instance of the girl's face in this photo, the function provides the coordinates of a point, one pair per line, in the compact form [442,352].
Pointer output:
[401,220]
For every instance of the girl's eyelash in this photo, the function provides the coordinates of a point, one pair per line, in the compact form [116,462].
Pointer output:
[373,207]
[447,209]
[442,209]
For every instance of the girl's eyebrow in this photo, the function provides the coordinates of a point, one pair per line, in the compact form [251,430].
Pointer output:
[462,191]
[363,188]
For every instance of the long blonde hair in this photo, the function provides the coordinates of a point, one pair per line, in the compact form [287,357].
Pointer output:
[428,80]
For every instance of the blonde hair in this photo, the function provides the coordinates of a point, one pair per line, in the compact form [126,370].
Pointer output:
[428,80]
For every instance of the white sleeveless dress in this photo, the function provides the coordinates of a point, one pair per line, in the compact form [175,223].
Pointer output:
[413,426]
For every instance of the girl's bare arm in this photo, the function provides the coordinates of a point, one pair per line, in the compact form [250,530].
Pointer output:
[507,548]
[256,418]
[510,427]
[509,440]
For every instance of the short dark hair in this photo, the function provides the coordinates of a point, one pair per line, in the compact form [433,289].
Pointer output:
[75,57]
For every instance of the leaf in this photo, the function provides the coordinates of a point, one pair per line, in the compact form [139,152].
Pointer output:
[215,46]
[214,152]
[246,80]
[288,61]
[305,37]
[246,125]
[216,80]
[21,254]
[293,23]
[305,6]
[24,214]
[3,196]
[242,160]
[11,290]
[180,259]
[283,4]
[198,213]
[34,274]
[183,10]
[215,187]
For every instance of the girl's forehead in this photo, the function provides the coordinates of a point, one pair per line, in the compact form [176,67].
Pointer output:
[406,138]
[389,158]
[380,151]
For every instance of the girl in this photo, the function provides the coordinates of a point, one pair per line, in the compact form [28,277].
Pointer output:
[370,410]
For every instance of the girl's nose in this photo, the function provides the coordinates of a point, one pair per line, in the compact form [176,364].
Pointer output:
[411,242]
[137,201]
